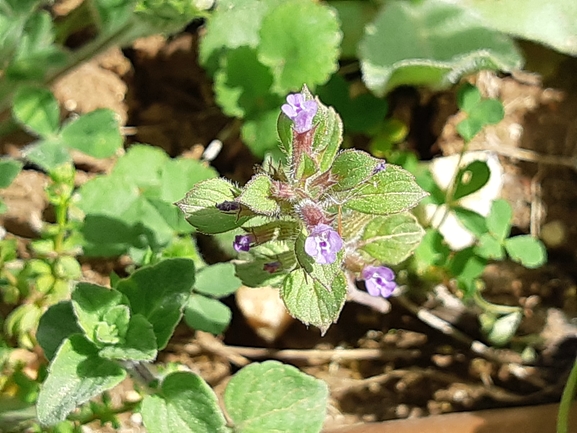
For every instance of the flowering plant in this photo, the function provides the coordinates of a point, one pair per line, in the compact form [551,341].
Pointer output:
[318,221]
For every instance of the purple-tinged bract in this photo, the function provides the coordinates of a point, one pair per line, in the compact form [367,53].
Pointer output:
[301,112]
[379,280]
[323,244]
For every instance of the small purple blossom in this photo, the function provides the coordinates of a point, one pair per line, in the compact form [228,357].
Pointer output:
[301,112]
[243,242]
[379,280]
[323,244]
[228,206]
[381,166]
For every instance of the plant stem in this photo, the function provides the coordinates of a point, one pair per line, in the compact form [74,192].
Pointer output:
[566,399]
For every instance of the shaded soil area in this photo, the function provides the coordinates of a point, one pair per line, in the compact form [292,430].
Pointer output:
[378,367]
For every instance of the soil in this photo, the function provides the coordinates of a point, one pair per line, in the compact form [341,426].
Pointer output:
[377,366]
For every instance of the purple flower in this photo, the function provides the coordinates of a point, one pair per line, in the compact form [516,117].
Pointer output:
[379,280]
[301,112]
[381,166]
[323,244]
[243,242]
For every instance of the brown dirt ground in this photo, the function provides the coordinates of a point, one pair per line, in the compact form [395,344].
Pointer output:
[377,366]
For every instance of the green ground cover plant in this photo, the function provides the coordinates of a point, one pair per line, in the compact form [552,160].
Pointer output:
[323,224]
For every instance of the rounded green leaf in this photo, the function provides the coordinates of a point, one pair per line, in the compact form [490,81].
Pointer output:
[217,280]
[96,133]
[351,168]
[199,207]
[390,191]
[471,179]
[300,43]
[9,169]
[76,374]
[527,250]
[186,405]
[489,247]
[274,397]
[159,293]
[430,43]
[233,24]
[551,24]
[56,324]
[391,239]
[37,109]
[256,195]
[48,154]
[468,96]
[311,301]
[207,314]
[499,219]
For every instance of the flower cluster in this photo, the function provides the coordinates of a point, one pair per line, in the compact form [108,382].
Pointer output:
[301,112]
[323,242]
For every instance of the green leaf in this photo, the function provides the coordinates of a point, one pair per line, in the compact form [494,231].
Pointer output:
[91,303]
[96,134]
[553,26]
[391,239]
[9,169]
[48,154]
[242,84]
[254,274]
[471,179]
[178,175]
[217,280]
[132,208]
[499,219]
[489,247]
[308,53]
[256,196]
[352,168]
[527,250]
[137,344]
[199,207]
[36,54]
[56,325]
[468,96]
[232,25]
[431,43]
[311,301]
[432,251]
[258,131]
[159,293]
[76,374]
[37,109]
[186,404]
[472,221]
[466,266]
[274,397]
[489,111]
[362,113]
[390,191]
[328,136]
[206,314]
[150,162]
